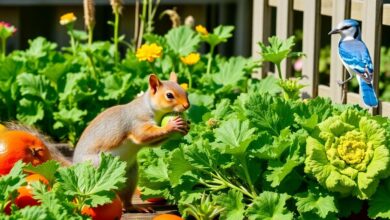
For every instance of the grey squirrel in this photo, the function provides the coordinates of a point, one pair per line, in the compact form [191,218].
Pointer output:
[123,130]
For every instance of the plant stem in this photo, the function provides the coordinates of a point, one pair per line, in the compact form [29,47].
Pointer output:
[92,64]
[279,71]
[210,59]
[90,36]
[143,19]
[189,76]
[3,47]
[136,23]
[246,172]
[229,184]
[72,40]
[149,24]
[116,39]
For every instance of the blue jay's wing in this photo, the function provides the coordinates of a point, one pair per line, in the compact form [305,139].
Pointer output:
[355,54]
[367,92]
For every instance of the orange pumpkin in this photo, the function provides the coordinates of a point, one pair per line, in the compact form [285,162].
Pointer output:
[109,211]
[21,145]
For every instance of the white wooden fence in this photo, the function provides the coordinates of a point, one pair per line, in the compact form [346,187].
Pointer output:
[373,14]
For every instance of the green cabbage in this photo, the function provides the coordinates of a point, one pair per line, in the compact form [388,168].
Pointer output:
[349,154]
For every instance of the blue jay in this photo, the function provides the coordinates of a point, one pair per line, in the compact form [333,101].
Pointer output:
[356,59]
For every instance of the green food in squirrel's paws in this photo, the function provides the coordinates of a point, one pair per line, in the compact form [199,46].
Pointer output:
[164,122]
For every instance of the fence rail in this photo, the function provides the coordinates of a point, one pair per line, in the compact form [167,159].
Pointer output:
[373,14]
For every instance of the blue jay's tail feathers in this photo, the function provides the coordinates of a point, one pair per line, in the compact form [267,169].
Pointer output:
[367,93]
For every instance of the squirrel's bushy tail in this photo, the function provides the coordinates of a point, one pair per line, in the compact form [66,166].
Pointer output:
[53,147]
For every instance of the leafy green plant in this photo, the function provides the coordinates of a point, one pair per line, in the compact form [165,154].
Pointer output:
[70,189]
[349,155]
[276,52]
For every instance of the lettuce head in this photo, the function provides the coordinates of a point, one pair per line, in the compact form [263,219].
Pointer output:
[349,154]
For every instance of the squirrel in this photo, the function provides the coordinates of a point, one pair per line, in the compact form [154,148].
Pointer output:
[123,130]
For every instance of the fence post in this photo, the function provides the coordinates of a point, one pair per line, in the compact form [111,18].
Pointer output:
[311,46]
[261,30]
[284,22]
[341,9]
[372,32]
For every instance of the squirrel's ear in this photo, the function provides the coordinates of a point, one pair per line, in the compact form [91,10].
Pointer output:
[154,83]
[173,77]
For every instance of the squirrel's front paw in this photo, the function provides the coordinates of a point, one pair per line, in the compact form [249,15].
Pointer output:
[178,124]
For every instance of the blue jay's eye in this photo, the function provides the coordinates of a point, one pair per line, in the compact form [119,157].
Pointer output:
[169,95]
[345,27]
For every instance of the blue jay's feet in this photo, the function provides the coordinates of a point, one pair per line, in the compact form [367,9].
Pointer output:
[341,82]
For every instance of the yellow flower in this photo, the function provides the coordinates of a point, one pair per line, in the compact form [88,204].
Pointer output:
[67,18]
[184,86]
[149,52]
[191,58]
[202,30]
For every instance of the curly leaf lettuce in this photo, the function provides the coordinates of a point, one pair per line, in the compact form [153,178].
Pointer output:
[349,154]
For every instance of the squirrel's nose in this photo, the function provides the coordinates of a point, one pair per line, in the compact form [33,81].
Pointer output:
[186,105]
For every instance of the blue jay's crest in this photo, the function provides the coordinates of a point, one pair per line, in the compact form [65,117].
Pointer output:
[350,22]
[356,59]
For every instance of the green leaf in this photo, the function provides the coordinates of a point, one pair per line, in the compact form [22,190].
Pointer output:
[115,87]
[30,112]
[9,69]
[220,34]
[54,203]
[178,166]
[77,87]
[278,171]
[39,47]
[268,113]
[33,213]
[11,182]
[378,205]
[67,117]
[231,72]
[234,136]
[234,207]
[92,183]
[277,50]
[182,40]
[316,201]
[267,85]
[54,71]
[307,123]
[270,206]
[200,104]
[46,169]
[37,86]
[279,145]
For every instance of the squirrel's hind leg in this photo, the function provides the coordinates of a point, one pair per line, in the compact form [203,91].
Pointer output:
[128,191]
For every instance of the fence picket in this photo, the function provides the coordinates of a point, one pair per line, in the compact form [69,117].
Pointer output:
[261,28]
[284,22]
[372,33]
[341,11]
[311,46]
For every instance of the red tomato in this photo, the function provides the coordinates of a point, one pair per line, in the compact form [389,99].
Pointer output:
[110,211]
[25,197]
[21,145]
[167,217]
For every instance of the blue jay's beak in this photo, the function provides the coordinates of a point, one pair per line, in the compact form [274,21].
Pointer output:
[334,31]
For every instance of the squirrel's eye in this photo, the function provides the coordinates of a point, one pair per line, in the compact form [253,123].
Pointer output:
[170,95]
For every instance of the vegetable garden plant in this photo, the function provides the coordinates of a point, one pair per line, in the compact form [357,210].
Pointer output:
[251,153]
